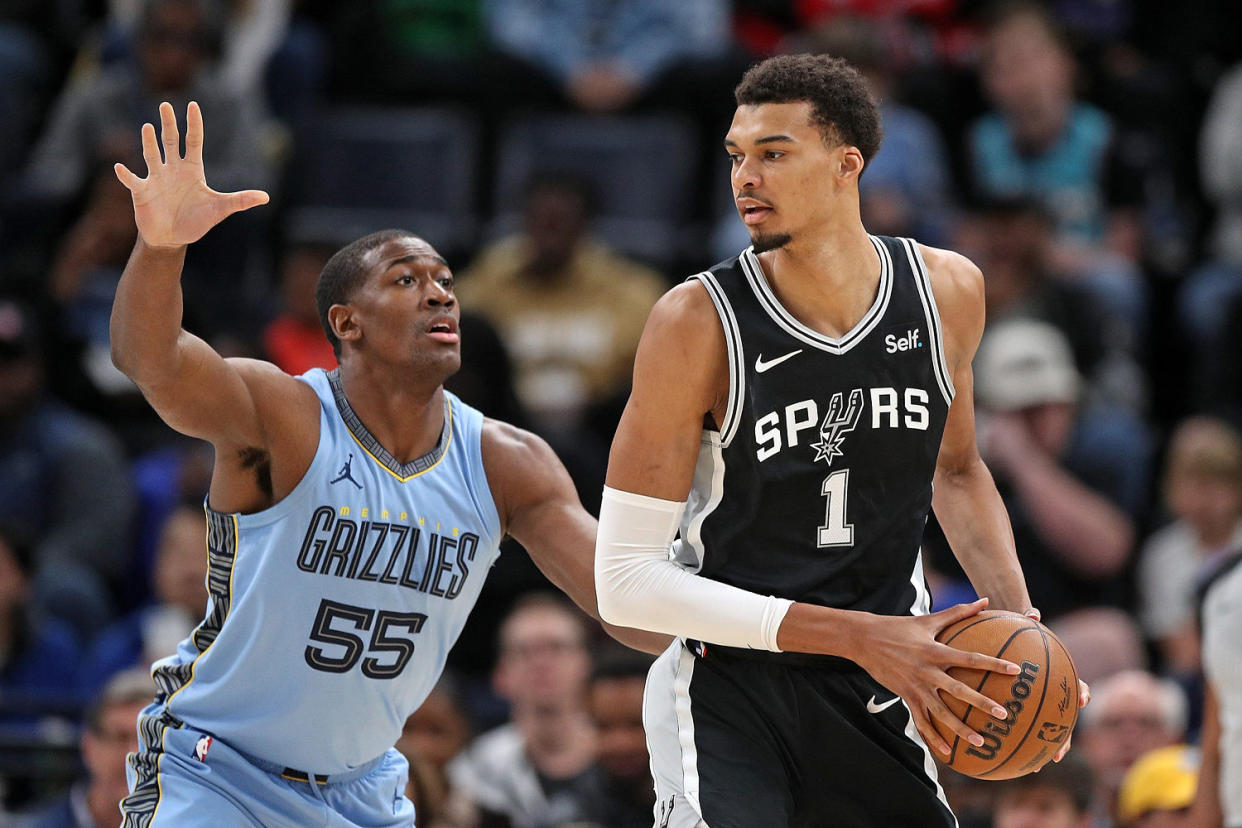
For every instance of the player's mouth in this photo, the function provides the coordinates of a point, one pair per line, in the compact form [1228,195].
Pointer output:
[752,210]
[444,329]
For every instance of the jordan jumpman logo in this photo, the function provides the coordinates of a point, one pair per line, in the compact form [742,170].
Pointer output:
[345,474]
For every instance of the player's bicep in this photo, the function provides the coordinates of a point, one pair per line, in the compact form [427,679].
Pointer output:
[216,399]
[680,375]
[958,447]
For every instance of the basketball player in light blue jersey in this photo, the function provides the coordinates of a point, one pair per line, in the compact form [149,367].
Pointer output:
[352,518]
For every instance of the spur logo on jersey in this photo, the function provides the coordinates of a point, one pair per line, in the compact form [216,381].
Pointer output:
[889,407]
[412,556]
[837,424]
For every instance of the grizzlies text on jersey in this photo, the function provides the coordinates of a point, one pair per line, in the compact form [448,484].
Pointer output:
[816,486]
[332,612]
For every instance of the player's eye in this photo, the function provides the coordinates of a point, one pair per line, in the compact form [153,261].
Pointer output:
[735,159]
[773,154]
[407,279]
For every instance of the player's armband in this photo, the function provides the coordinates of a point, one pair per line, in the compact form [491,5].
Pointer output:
[638,586]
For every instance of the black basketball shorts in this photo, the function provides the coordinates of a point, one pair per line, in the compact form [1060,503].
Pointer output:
[762,740]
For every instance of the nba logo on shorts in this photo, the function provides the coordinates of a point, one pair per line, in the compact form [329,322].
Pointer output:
[201,747]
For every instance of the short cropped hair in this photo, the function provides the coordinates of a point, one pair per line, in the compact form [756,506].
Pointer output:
[131,686]
[342,275]
[841,105]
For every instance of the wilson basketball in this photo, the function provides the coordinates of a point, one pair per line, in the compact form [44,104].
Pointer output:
[1042,699]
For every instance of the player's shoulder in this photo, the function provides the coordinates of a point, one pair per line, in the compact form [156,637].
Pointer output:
[953,276]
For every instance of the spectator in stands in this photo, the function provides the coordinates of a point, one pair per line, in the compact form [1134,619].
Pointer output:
[1209,291]
[604,55]
[38,654]
[540,769]
[1073,477]
[154,631]
[615,699]
[1059,796]
[906,189]
[110,734]
[1041,141]
[93,124]
[569,310]
[1130,714]
[1222,169]
[1104,641]
[1203,492]
[1159,789]
[97,115]
[432,738]
[294,339]
[64,480]
[1014,249]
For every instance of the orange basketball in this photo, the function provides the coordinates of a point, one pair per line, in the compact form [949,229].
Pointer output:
[1042,700]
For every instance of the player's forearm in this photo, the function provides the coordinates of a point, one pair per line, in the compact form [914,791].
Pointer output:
[638,586]
[974,520]
[1087,533]
[146,314]
[1206,809]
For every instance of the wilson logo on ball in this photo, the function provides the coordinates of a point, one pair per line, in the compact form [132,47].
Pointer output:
[994,732]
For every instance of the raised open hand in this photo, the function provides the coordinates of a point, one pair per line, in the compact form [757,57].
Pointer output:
[173,206]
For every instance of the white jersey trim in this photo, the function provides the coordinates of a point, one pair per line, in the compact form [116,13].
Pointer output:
[923,282]
[929,764]
[787,321]
[733,343]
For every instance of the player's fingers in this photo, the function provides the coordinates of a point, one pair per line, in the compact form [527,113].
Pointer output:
[938,711]
[1034,614]
[975,699]
[169,133]
[194,133]
[954,657]
[930,735]
[243,200]
[1064,749]
[150,149]
[1084,693]
[126,177]
[958,612]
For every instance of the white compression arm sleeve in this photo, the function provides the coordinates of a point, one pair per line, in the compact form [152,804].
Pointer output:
[638,586]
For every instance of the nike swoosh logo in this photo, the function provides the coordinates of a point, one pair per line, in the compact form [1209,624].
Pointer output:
[872,707]
[761,366]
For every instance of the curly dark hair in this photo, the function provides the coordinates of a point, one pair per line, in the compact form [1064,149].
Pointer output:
[841,106]
[342,275]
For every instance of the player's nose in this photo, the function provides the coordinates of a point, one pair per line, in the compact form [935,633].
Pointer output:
[746,175]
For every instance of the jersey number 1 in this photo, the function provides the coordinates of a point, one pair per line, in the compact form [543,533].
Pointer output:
[835,531]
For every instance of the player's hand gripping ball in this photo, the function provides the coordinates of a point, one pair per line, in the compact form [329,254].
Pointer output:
[1042,699]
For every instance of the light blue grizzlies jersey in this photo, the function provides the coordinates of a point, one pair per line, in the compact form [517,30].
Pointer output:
[331,613]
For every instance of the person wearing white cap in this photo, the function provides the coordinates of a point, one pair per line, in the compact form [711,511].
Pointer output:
[1068,476]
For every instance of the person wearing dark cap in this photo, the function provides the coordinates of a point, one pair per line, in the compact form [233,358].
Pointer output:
[63,480]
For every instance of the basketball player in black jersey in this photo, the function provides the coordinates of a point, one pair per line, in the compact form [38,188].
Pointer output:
[791,410]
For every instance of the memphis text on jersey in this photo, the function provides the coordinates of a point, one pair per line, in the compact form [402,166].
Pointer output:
[388,548]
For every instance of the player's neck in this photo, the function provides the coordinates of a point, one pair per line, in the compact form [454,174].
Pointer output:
[827,280]
[406,418]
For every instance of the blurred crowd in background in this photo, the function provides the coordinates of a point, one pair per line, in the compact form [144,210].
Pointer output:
[565,156]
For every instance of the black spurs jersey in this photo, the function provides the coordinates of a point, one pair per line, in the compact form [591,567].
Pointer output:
[817,485]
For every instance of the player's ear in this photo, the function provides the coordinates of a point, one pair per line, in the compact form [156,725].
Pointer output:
[344,324]
[851,162]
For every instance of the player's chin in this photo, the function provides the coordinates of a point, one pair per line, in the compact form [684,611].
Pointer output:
[765,240]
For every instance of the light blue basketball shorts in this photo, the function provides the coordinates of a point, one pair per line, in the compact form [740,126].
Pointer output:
[186,778]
